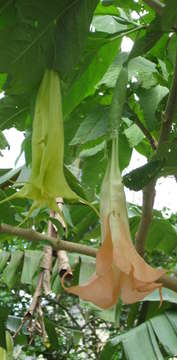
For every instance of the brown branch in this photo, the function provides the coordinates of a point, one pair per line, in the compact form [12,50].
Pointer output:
[146,218]
[155,5]
[57,244]
[31,235]
[145,131]
[169,114]
[149,190]
[169,282]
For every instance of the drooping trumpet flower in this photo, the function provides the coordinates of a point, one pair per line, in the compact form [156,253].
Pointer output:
[47,180]
[120,270]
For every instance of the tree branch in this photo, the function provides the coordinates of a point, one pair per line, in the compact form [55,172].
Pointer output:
[155,5]
[57,244]
[31,235]
[146,218]
[149,190]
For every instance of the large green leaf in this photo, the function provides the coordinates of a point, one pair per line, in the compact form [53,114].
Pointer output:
[7,213]
[93,126]
[139,68]
[149,101]
[134,135]
[71,35]
[100,54]
[32,260]
[138,345]
[143,341]
[162,236]
[169,16]
[4,256]
[10,273]
[148,39]
[22,57]
[27,47]
[8,13]
[108,23]
[13,112]
[166,333]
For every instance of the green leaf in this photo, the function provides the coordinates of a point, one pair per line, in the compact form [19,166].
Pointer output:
[161,236]
[141,68]
[31,265]
[134,135]
[20,50]
[71,35]
[3,78]
[100,56]
[3,319]
[137,344]
[172,47]
[7,213]
[102,10]
[27,47]
[149,101]
[143,341]
[92,174]
[128,4]
[9,175]
[8,13]
[92,127]
[3,141]
[169,16]
[10,273]
[74,183]
[167,295]
[146,41]
[13,112]
[51,332]
[4,256]
[165,333]
[108,24]
[137,179]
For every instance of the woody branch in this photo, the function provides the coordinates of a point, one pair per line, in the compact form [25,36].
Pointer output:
[31,235]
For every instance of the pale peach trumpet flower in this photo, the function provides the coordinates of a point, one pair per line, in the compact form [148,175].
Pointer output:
[120,270]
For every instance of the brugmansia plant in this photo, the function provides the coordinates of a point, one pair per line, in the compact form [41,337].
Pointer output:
[47,180]
[120,270]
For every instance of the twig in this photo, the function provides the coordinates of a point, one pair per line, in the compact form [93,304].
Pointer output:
[145,131]
[155,5]
[149,190]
